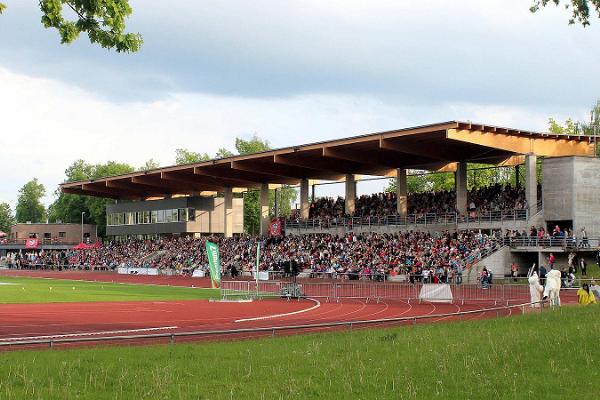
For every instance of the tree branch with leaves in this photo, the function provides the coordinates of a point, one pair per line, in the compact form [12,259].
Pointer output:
[102,20]
[580,9]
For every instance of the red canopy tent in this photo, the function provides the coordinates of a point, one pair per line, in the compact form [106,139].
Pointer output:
[81,246]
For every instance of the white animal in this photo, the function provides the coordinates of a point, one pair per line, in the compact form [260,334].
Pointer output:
[535,289]
[552,289]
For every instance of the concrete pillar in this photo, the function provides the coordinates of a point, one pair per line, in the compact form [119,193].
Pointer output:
[531,182]
[304,205]
[460,185]
[401,192]
[350,194]
[312,197]
[264,209]
[228,212]
[517,176]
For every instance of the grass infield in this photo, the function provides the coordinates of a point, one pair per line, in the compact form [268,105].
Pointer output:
[553,355]
[34,290]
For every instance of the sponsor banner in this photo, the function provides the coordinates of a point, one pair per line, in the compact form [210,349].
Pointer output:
[198,273]
[436,293]
[214,261]
[262,275]
[137,271]
[32,243]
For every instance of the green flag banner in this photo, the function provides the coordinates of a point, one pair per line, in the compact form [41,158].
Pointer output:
[214,261]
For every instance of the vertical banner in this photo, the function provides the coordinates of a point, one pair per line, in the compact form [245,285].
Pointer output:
[275,227]
[257,263]
[214,261]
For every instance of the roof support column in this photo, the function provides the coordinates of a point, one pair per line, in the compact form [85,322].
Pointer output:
[460,186]
[531,182]
[401,193]
[264,208]
[228,212]
[350,194]
[304,205]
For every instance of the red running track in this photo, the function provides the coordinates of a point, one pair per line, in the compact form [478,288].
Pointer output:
[19,322]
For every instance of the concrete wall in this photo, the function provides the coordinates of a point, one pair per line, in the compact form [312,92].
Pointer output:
[572,192]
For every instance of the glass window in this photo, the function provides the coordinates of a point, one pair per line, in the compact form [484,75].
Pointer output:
[174,215]
[154,219]
[161,216]
[62,235]
[146,217]
[182,214]
[168,216]
[191,214]
[47,235]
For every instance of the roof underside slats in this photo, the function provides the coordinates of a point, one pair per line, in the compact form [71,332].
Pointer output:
[436,147]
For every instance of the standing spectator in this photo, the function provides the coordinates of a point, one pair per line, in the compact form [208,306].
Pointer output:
[514,271]
[543,272]
[584,238]
[551,260]
[583,266]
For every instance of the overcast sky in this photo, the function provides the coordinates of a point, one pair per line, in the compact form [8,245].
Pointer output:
[289,71]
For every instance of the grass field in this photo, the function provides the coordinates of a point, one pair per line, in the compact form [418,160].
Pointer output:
[32,290]
[553,355]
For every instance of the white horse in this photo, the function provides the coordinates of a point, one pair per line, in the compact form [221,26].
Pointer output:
[552,289]
[535,289]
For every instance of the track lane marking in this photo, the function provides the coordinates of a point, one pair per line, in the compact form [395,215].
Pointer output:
[80,334]
[317,305]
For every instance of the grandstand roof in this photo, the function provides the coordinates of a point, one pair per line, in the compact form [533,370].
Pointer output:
[435,147]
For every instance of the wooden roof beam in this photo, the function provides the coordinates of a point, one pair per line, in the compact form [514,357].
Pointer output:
[202,181]
[284,170]
[541,146]
[142,190]
[252,177]
[427,151]
[95,193]
[100,187]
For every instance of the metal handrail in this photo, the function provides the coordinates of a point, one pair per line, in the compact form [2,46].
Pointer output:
[272,329]
[411,219]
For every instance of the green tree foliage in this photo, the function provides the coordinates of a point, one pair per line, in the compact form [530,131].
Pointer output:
[68,207]
[252,198]
[580,9]
[7,218]
[185,156]
[478,176]
[29,204]
[102,20]
[571,127]
[148,165]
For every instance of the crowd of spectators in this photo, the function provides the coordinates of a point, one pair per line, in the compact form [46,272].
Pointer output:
[422,256]
[480,201]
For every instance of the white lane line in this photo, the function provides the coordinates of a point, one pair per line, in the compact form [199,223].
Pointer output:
[17,338]
[317,305]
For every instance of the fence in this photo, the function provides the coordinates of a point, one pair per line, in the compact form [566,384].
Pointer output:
[562,242]
[411,219]
[376,291]
[272,331]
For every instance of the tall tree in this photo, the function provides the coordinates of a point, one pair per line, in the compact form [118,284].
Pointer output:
[68,207]
[580,9]
[29,204]
[571,127]
[7,218]
[185,156]
[148,165]
[102,20]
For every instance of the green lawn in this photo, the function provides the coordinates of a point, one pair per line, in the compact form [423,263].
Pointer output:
[553,355]
[33,290]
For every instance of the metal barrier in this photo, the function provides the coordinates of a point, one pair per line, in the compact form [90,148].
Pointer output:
[376,291]
[171,337]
